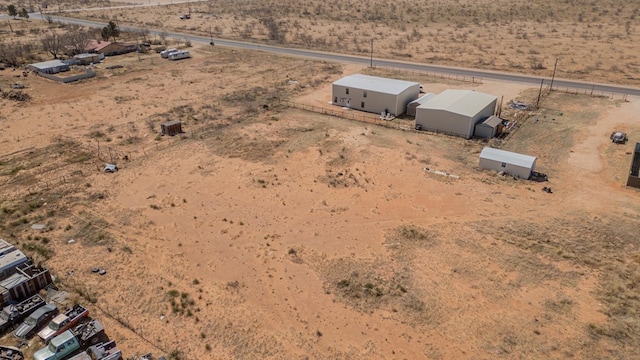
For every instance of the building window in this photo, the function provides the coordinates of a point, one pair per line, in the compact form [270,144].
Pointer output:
[364,94]
[347,91]
[362,104]
[504,165]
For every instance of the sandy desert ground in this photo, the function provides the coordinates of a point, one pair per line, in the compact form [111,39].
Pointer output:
[267,232]
[592,40]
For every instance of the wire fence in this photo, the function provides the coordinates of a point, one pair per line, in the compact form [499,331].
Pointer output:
[433,74]
[591,92]
[347,114]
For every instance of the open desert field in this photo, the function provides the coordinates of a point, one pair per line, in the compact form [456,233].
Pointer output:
[269,232]
[265,232]
[592,40]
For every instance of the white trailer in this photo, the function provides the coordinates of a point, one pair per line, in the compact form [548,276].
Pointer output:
[165,53]
[179,55]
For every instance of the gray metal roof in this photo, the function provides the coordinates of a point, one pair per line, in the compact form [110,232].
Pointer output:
[463,102]
[49,64]
[12,259]
[85,55]
[374,83]
[12,281]
[508,157]
[5,247]
[423,99]
[492,121]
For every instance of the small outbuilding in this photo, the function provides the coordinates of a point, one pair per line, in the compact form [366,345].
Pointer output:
[411,108]
[50,67]
[87,58]
[171,128]
[634,173]
[374,94]
[514,164]
[455,112]
[489,128]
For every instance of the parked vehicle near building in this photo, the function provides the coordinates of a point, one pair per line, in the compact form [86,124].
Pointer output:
[102,351]
[619,137]
[10,353]
[35,321]
[13,314]
[70,342]
[63,322]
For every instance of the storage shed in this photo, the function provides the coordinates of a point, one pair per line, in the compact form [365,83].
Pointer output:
[634,173]
[87,58]
[489,128]
[171,128]
[374,94]
[514,164]
[49,67]
[411,108]
[27,281]
[455,112]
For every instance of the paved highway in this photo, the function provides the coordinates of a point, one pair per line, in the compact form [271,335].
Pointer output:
[484,74]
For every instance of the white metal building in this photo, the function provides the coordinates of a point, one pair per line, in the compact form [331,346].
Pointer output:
[49,67]
[411,108]
[455,112]
[489,128]
[374,94]
[511,163]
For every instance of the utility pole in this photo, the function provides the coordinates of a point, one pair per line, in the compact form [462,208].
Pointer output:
[539,93]
[554,74]
[371,59]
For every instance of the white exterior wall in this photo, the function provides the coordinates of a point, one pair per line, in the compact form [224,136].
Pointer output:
[485,131]
[442,121]
[407,96]
[511,169]
[451,123]
[374,102]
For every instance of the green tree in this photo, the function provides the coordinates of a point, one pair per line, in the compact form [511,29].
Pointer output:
[23,13]
[12,11]
[110,31]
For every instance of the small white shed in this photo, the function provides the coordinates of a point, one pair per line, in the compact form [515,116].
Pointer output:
[489,128]
[514,164]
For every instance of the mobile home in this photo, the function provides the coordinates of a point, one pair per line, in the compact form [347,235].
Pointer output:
[179,55]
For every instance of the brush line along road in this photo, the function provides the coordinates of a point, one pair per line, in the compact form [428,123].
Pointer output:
[535,81]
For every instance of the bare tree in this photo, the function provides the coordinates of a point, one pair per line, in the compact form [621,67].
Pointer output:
[76,40]
[144,33]
[163,36]
[277,31]
[10,53]
[52,43]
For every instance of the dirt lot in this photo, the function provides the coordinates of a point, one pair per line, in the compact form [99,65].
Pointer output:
[269,232]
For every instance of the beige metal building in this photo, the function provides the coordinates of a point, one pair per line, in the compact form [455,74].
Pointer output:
[374,94]
[411,108]
[455,112]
